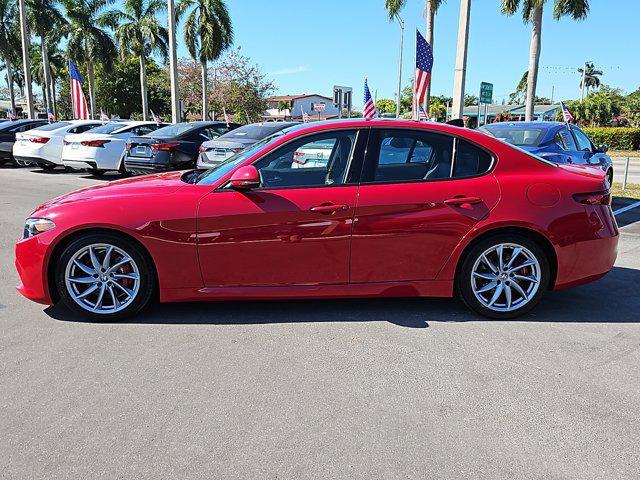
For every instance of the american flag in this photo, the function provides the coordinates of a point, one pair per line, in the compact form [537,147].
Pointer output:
[103,116]
[566,113]
[11,115]
[155,117]
[78,102]
[369,107]
[424,64]
[51,116]
[422,115]
[227,118]
[305,117]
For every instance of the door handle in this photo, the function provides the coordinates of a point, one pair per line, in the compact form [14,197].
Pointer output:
[329,208]
[462,200]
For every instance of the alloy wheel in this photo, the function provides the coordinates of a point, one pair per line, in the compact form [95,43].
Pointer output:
[102,278]
[505,277]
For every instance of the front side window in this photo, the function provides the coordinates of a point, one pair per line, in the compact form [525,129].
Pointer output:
[312,161]
[584,144]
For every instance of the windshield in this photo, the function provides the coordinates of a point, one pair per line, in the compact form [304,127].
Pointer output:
[211,176]
[108,128]
[172,130]
[52,126]
[516,135]
[255,131]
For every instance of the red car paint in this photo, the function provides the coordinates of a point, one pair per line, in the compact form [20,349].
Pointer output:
[393,239]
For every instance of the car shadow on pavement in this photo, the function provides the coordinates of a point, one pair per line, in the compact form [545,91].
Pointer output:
[612,299]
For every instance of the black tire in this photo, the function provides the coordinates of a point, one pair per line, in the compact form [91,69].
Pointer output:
[464,279]
[97,172]
[47,168]
[610,176]
[140,257]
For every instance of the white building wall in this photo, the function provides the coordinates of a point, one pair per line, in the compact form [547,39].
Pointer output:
[305,103]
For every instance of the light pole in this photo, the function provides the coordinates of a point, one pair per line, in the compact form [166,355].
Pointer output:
[457,110]
[25,58]
[401,23]
[173,61]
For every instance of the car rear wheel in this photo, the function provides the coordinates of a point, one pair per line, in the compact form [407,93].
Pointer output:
[104,277]
[504,276]
[98,172]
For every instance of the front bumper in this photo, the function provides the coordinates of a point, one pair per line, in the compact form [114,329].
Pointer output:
[31,262]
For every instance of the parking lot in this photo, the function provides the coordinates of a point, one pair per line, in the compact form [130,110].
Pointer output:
[401,388]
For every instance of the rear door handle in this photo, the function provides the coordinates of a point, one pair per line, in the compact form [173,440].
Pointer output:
[462,200]
[329,208]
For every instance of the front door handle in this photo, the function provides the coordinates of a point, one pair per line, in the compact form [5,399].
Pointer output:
[462,201]
[329,208]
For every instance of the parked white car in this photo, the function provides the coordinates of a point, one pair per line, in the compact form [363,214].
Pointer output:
[43,145]
[101,148]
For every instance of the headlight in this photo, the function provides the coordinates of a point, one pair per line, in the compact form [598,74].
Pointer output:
[34,226]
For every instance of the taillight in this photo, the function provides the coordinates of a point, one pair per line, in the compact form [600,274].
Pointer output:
[166,147]
[127,145]
[238,150]
[39,139]
[593,198]
[202,149]
[94,143]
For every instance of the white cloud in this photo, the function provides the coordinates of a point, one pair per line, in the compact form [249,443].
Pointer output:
[290,70]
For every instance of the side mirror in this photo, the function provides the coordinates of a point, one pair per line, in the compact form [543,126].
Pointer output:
[245,178]
[602,148]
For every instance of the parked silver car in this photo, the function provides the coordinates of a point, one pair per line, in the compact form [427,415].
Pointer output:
[216,151]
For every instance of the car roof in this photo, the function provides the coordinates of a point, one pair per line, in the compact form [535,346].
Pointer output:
[527,124]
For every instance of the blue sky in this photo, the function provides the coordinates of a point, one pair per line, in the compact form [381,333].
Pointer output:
[308,46]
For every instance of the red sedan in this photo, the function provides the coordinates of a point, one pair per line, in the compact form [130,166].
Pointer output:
[336,209]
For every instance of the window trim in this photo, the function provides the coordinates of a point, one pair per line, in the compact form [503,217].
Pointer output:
[226,186]
[456,138]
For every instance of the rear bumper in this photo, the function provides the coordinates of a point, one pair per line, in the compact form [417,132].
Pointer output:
[37,160]
[78,164]
[146,167]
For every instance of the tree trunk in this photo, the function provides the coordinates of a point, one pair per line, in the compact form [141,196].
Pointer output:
[46,90]
[428,6]
[53,96]
[204,90]
[534,60]
[92,97]
[12,97]
[143,88]
[24,33]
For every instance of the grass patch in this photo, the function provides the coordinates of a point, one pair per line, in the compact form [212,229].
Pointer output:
[632,190]
[624,153]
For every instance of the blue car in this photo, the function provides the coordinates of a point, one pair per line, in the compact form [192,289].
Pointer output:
[554,141]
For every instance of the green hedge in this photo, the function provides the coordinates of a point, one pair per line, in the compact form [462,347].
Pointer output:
[616,138]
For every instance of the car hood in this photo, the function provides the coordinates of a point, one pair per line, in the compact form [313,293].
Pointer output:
[158,184]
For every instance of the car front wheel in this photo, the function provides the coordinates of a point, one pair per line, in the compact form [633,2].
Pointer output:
[104,277]
[504,276]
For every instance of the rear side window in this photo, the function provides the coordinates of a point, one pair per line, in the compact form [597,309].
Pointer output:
[414,156]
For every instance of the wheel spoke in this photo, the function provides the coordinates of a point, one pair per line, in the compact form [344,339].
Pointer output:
[496,294]
[107,258]
[489,264]
[83,267]
[98,303]
[485,276]
[487,287]
[82,280]
[131,276]
[516,251]
[507,295]
[114,297]
[122,262]
[500,252]
[528,278]
[125,290]
[88,291]
[94,259]
[526,263]
[519,289]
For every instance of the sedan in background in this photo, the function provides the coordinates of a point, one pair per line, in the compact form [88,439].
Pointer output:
[101,149]
[43,145]
[555,141]
[397,209]
[173,147]
[216,151]
[8,131]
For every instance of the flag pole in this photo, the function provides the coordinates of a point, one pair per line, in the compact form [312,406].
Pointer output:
[414,110]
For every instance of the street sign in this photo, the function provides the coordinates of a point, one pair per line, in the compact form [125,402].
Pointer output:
[486,92]
[318,107]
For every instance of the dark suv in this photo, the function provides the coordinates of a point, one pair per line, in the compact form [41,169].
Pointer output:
[174,147]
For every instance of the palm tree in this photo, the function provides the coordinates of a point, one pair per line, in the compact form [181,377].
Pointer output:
[9,46]
[89,40]
[590,77]
[24,37]
[532,13]
[45,19]
[140,33]
[207,33]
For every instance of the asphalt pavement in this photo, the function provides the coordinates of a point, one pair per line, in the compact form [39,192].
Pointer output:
[402,388]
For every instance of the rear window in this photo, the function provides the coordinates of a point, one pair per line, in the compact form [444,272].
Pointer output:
[108,128]
[174,130]
[254,131]
[53,126]
[516,135]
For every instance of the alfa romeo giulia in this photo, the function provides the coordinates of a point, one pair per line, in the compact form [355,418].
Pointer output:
[398,209]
